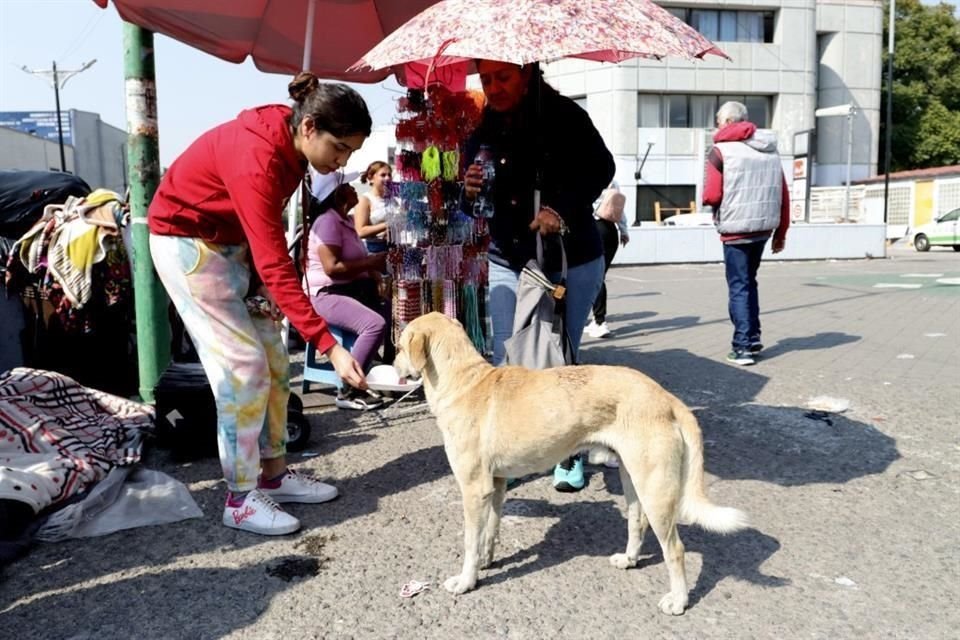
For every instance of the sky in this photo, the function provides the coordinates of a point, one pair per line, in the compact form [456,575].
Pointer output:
[196,91]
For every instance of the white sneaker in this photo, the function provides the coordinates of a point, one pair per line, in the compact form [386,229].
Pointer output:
[604,456]
[591,329]
[601,330]
[260,514]
[299,488]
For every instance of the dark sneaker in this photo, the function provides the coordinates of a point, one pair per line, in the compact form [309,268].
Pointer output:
[741,358]
[358,400]
[568,475]
[755,348]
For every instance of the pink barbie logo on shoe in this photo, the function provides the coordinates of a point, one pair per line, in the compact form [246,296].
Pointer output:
[246,514]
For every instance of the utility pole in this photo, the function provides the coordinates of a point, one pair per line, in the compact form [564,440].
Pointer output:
[58,79]
[888,133]
[143,165]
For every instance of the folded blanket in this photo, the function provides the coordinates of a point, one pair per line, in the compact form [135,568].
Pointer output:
[58,438]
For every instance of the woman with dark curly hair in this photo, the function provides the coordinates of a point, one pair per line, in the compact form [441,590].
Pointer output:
[216,224]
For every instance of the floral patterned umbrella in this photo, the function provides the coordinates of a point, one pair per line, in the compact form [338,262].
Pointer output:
[526,31]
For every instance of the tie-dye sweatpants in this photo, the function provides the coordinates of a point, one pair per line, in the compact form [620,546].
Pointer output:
[243,355]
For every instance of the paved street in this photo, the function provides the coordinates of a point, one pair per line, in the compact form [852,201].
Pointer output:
[856,514]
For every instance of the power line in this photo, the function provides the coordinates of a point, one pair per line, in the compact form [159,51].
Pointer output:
[83,34]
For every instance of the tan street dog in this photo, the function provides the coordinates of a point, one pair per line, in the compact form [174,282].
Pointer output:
[507,422]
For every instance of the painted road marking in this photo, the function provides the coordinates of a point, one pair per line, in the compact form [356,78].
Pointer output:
[896,285]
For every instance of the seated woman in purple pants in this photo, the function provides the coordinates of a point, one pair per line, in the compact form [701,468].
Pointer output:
[343,282]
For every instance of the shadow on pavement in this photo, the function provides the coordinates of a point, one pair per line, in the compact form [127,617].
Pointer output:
[634,315]
[791,446]
[785,445]
[77,561]
[179,603]
[598,529]
[657,326]
[693,379]
[822,340]
[363,492]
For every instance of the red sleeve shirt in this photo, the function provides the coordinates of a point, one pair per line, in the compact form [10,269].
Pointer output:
[230,186]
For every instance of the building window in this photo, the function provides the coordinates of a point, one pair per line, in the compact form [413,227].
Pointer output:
[758,109]
[649,111]
[703,111]
[670,196]
[678,111]
[728,26]
[696,111]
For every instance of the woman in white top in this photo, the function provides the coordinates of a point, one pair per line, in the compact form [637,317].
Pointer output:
[370,214]
[611,222]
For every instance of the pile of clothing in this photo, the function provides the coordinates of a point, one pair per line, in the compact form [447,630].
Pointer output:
[72,271]
[68,455]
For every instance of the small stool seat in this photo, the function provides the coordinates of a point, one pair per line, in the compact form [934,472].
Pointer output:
[316,367]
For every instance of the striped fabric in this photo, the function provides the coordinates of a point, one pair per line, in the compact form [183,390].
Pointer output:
[58,438]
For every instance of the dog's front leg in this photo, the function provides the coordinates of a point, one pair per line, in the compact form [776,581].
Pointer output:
[476,502]
[488,539]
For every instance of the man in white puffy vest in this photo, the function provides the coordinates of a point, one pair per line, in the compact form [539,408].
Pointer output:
[746,187]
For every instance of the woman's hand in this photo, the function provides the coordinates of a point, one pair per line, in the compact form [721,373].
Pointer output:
[346,366]
[473,181]
[548,221]
[275,312]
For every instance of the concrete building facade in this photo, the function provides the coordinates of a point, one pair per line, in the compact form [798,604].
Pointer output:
[19,150]
[788,59]
[94,150]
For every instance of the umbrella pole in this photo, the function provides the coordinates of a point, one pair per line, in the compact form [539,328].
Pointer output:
[433,61]
[538,139]
[292,209]
[308,37]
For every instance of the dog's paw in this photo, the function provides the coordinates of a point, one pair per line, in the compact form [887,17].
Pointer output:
[673,604]
[622,561]
[457,584]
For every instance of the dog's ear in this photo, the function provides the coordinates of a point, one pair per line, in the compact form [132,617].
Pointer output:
[417,351]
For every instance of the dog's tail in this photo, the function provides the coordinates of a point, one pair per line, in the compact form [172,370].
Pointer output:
[695,506]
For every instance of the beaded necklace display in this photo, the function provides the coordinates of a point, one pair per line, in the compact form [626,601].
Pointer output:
[437,255]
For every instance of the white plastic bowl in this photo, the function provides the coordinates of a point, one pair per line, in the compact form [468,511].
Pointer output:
[384,377]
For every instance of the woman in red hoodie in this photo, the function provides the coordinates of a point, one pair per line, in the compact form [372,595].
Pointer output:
[216,225]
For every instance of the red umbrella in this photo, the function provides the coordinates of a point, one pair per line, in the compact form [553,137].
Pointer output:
[525,31]
[275,33]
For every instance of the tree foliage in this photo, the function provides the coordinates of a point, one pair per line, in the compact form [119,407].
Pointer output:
[926,86]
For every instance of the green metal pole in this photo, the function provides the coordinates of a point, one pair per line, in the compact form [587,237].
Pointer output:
[143,162]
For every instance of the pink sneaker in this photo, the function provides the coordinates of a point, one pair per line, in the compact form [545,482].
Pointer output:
[294,487]
[258,513]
